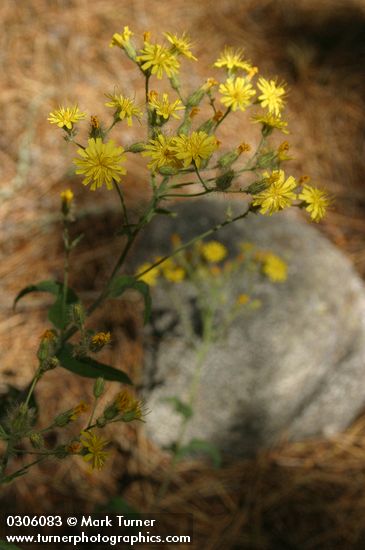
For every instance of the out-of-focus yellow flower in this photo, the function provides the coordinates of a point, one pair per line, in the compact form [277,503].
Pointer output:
[125,107]
[94,445]
[161,151]
[272,95]
[181,45]
[232,59]
[316,201]
[275,268]
[194,148]
[213,251]
[163,107]
[126,403]
[100,163]
[172,271]
[66,117]
[151,276]
[242,299]
[121,39]
[237,93]
[278,195]
[158,60]
[99,341]
[244,148]
[81,408]
[67,197]
[271,121]
[283,150]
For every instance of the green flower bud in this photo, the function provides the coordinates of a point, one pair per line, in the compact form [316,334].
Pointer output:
[175,83]
[63,419]
[168,170]
[196,97]
[256,187]
[111,412]
[228,158]
[136,147]
[99,387]
[224,181]
[36,440]
[207,126]
[78,314]
[101,422]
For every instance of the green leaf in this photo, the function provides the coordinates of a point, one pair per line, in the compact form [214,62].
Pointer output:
[7,546]
[198,446]
[125,282]
[44,286]
[55,314]
[165,212]
[90,368]
[180,407]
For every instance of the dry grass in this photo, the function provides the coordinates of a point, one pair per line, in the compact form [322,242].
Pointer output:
[305,495]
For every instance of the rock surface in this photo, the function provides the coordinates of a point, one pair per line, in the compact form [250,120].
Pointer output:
[294,368]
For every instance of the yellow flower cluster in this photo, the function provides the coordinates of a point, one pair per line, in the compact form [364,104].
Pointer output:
[191,146]
[192,149]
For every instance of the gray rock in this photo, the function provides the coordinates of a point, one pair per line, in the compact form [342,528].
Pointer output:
[294,368]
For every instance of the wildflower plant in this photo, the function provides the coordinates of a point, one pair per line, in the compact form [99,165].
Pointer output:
[221,287]
[185,158]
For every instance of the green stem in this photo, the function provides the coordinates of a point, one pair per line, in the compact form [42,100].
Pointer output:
[192,241]
[193,391]
[223,117]
[66,268]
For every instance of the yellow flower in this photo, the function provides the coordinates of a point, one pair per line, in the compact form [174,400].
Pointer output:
[65,117]
[172,272]
[232,60]
[49,335]
[67,197]
[242,299]
[101,163]
[94,446]
[237,93]
[271,121]
[121,39]
[278,195]
[275,268]
[181,45]
[213,251]
[151,276]
[194,148]
[124,106]
[272,95]
[163,107]
[316,201]
[81,408]
[158,59]
[126,403]
[99,340]
[161,151]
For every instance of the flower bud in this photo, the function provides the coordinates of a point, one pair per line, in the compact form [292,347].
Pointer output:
[136,147]
[224,181]
[99,387]
[37,440]
[228,158]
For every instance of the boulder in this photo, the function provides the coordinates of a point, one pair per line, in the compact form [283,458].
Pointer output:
[293,368]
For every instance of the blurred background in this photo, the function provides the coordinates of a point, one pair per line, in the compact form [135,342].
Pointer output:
[303,495]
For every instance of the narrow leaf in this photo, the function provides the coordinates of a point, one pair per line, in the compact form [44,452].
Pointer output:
[180,407]
[199,446]
[44,286]
[89,367]
[125,282]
